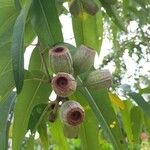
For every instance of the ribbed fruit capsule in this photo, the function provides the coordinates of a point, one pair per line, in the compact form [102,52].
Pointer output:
[74,8]
[90,6]
[83,59]
[60,59]
[71,113]
[99,79]
[64,84]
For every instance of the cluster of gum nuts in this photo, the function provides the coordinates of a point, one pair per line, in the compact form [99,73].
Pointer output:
[68,62]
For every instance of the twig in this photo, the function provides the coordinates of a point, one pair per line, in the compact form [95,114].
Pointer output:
[44,62]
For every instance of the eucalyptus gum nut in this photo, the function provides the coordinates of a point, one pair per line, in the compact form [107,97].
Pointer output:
[90,7]
[72,49]
[60,59]
[74,8]
[71,113]
[64,84]
[99,79]
[70,131]
[83,59]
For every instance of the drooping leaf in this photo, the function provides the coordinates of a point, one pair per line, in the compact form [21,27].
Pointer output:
[42,129]
[136,116]
[101,106]
[29,34]
[45,18]
[125,117]
[6,73]
[17,49]
[89,130]
[88,30]
[8,15]
[35,117]
[5,109]
[145,90]
[141,102]
[35,60]
[116,100]
[30,143]
[34,92]
[58,138]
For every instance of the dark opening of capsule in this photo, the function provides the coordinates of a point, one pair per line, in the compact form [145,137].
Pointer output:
[58,49]
[62,82]
[76,117]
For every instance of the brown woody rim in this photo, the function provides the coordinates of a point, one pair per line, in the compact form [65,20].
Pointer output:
[75,116]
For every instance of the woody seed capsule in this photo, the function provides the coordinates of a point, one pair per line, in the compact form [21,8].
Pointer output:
[83,59]
[72,113]
[60,59]
[90,6]
[64,84]
[99,79]
[74,7]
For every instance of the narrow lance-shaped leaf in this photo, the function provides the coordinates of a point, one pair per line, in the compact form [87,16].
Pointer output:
[125,117]
[42,129]
[137,119]
[8,16]
[58,138]
[89,130]
[35,91]
[141,102]
[17,49]
[46,22]
[88,30]
[109,123]
[5,108]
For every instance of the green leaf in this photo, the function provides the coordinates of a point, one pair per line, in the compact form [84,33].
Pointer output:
[17,5]
[35,117]
[88,30]
[37,122]
[8,15]
[141,102]
[112,12]
[116,100]
[147,123]
[29,34]
[137,119]
[35,60]
[58,138]
[42,129]
[125,117]
[89,130]
[17,49]
[101,106]
[5,109]
[34,92]
[46,22]
[30,143]
[145,90]
[6,73]
[7,85]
